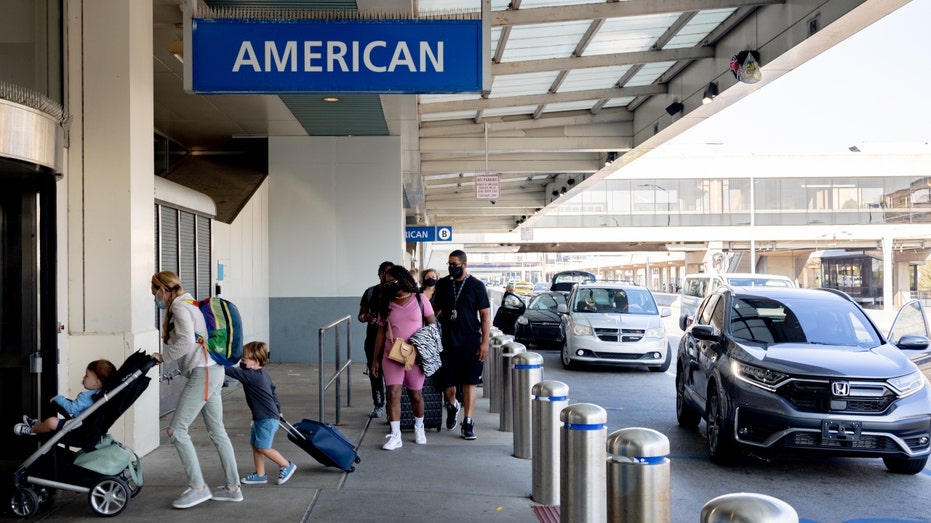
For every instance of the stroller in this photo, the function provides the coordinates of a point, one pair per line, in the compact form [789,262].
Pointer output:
[109,472]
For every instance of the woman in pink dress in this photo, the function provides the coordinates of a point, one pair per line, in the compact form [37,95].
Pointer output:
[405,311]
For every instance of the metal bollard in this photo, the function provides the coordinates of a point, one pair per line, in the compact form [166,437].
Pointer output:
[526,371]
[746,507]
[582,481]
[505,394]
[549,398]
[491,380]
[638,476]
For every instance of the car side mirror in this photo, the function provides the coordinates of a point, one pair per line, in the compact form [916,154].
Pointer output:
[665,312]
[913,342]
[562,309]
[705,332]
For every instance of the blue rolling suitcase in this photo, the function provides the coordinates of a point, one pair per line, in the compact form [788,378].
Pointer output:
[324,442]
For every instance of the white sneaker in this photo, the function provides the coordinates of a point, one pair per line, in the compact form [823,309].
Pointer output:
[394,442]
[420,435]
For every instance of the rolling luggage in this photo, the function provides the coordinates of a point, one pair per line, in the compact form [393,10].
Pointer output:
[432,407]
[324,443]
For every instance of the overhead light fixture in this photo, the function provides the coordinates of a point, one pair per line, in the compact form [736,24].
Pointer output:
[563,190]
[710,92]
[330,99]
[571,182]
[555,193]
[675,108]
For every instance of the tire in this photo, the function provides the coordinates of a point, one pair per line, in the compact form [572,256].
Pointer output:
[905,465]
[24,502]
[564,356]
[721,446]
[687,417]
[665,366]
[133,487]
[109,496]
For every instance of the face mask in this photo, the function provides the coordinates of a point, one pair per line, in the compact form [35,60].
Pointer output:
[456,272]
[243,365]
[159,303]
[391,284]
[429,282]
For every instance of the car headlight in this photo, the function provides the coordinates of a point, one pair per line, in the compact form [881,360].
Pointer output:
[908,384]
[522,320]
[579,329]
[764,378]
[656,332]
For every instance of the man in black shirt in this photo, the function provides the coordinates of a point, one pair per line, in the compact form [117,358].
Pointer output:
[368,314]
[462,307]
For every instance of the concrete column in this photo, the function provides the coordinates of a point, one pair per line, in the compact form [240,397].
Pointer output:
[109,183]
[888,266]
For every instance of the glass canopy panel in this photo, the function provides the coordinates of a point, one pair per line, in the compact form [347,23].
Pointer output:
[624,35]
[536,42]
[522,84]
[592,78]
[698,28]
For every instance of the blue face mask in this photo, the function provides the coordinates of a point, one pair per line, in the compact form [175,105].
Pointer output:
[159,303]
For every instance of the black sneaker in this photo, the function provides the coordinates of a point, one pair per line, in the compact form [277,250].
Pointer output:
[468,429]
[452,415]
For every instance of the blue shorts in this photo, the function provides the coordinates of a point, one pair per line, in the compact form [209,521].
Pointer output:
[263,433]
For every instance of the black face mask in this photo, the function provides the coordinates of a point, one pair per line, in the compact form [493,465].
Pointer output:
[242,365]
[429,282]
[391,284]
[456,272]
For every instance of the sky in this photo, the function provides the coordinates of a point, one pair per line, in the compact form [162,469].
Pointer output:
[869,91]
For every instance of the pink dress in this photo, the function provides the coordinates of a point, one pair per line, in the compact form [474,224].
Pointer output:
[405,321]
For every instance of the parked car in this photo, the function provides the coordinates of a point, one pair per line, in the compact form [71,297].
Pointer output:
[614,324]
[523,289]
[565,280]
[538,323]
[540,287]
[801,370]
[912,320]
[696,286]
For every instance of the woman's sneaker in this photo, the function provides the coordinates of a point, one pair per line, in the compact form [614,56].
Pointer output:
[394,442]
[255,479]
[420,435]
[191,497]
[227,494]
[286,473]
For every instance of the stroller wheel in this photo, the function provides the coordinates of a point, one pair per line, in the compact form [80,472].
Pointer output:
[109,496]
[133,487]
[24,502]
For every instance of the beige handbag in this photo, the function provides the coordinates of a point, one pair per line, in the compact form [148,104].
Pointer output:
[401,351]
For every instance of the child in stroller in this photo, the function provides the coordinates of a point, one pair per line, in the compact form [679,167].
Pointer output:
[95,375]
[107,471]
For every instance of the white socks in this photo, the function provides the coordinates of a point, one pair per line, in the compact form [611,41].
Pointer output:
[396,427]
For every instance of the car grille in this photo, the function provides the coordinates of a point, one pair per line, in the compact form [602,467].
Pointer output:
[816,396]
[814,440]
[622,335]
[616,356]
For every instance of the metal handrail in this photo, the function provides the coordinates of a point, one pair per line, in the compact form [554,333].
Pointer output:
[338,369]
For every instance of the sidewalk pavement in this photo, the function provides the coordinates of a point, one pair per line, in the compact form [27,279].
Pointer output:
[448,479]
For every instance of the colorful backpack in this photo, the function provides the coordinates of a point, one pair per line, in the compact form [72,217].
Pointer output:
[224,329]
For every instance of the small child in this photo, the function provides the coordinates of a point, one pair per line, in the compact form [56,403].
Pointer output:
[94,377]
[266,411]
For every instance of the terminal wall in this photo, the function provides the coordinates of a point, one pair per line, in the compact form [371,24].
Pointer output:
[336,211]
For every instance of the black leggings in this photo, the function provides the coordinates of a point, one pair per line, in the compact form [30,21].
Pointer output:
[378,384]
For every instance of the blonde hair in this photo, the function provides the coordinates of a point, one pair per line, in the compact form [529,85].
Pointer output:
[256,351]
[172,283]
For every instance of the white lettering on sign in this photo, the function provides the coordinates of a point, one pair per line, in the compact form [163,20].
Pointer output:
[418,234]
[340,56]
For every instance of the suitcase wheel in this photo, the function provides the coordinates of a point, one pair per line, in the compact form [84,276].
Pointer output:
[358,459]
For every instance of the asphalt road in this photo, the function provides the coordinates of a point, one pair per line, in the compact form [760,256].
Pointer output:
[821,490]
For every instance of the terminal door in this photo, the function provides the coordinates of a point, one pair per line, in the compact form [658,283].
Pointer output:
[28,322]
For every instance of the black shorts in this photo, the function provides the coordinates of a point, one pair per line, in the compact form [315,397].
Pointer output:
[460,367]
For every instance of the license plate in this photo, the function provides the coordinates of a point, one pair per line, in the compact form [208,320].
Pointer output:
[837,430]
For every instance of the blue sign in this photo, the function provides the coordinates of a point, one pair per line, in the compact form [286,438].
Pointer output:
[367,56]
[444,233]
[420,234]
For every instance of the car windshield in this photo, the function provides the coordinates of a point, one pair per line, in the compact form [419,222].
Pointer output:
[769,321]
[545,302]
[624,301]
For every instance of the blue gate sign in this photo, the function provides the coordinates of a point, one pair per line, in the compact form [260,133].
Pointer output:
[444,233]
[366,56]
[420,234]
